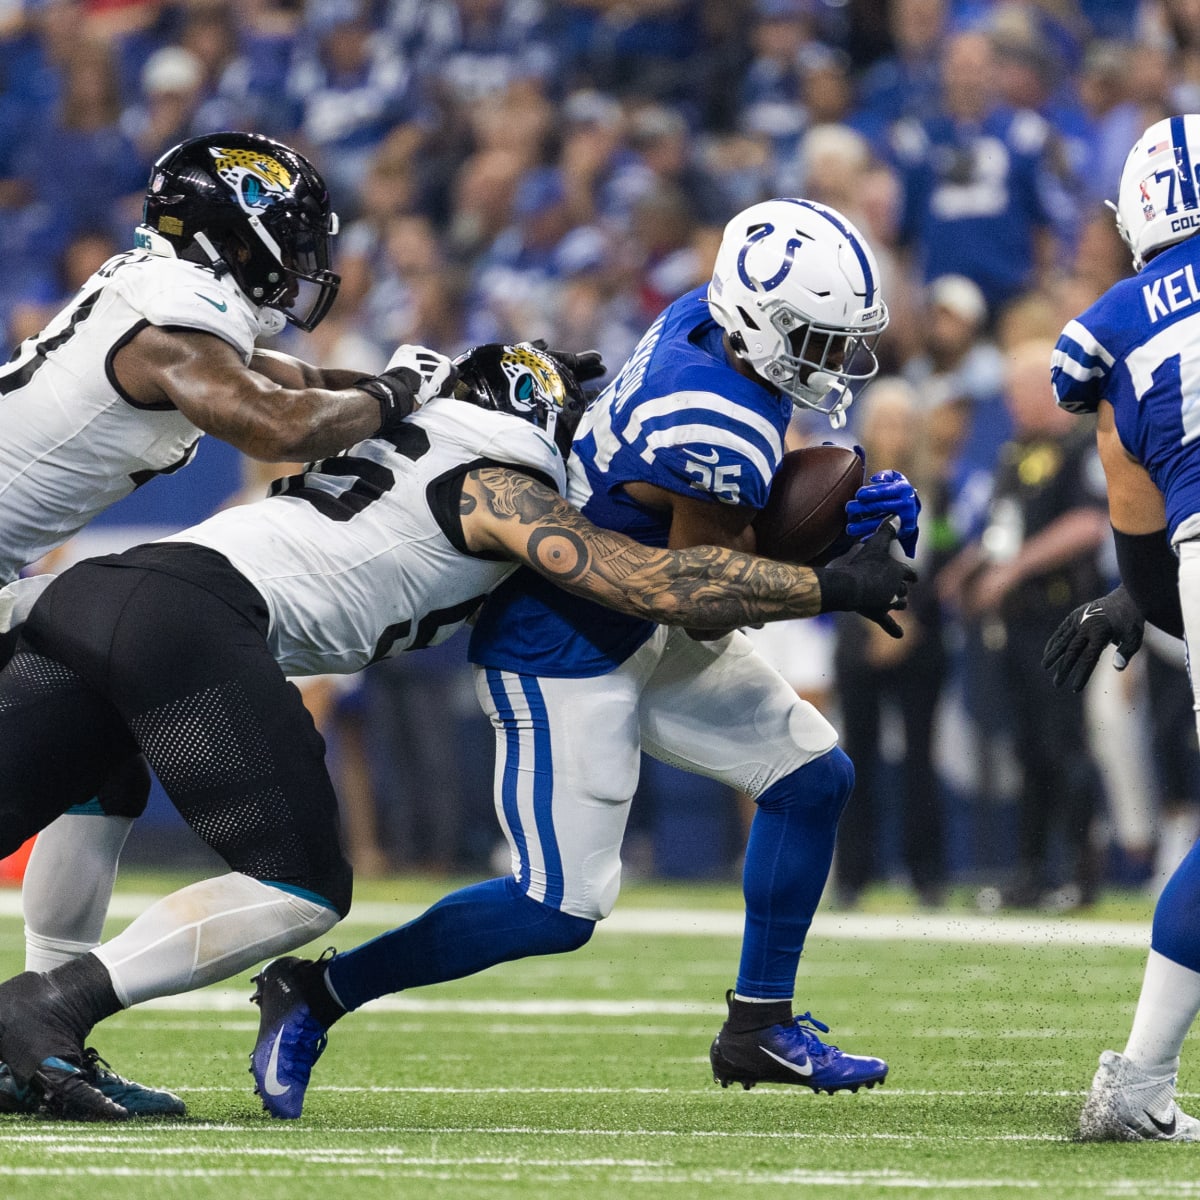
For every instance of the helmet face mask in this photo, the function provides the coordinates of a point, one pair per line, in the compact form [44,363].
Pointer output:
[522,380]
[1158,203]
[795,287]
[256,208]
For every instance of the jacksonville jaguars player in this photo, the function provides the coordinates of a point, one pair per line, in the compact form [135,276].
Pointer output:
[180,649]
[156,349]
[678,451]
[1133,359]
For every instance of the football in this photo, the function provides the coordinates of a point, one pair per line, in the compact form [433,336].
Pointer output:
[805,511]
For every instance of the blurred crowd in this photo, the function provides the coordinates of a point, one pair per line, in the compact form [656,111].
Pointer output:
[507,169]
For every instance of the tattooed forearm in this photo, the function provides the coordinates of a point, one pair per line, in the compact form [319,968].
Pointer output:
[705,587]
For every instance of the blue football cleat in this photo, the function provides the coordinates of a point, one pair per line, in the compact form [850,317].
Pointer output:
[791,1053]
[290,1038]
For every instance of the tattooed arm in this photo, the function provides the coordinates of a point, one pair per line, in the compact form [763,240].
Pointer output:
[706,587]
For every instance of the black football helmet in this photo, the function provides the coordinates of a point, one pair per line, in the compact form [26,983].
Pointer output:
[528,382]
[250,205]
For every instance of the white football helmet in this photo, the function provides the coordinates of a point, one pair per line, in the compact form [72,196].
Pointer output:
[1158,204]
[796,288]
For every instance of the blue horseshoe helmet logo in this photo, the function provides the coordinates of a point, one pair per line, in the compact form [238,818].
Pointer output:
[767,285]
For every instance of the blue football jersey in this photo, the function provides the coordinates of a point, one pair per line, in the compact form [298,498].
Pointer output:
[678,416]
[1138,347]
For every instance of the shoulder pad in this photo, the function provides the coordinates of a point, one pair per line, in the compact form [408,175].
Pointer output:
[177,294]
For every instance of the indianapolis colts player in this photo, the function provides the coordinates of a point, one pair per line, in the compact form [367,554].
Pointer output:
[1133,359]
[679,450]
[181,649]
[157,348]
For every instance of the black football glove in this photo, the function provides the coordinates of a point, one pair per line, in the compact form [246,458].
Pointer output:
[1075,646]
[868,580]
[413,375]
[585,366]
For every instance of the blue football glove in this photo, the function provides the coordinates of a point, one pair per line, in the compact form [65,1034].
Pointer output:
[885,494]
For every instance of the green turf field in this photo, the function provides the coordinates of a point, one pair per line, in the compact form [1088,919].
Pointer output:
[586,1076]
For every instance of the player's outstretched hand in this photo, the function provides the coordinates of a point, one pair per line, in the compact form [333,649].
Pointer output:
[885,493]
[869,580]
[1075,646]
[413,376]
[585,366]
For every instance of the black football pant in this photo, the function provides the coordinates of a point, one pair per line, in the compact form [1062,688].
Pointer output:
[163,651]
[913,685]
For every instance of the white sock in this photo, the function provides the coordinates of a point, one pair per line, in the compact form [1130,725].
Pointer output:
[207,932]
[1166,1009]
[68,884]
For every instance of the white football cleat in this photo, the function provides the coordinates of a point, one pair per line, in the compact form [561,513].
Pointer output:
[1127,1105]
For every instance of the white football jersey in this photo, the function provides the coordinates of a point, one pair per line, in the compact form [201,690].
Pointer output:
[71,442]
[362,556]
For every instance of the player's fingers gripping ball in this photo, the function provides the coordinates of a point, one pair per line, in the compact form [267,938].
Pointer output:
[886,493]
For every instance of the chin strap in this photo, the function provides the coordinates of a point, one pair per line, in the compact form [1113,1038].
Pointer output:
[270,321]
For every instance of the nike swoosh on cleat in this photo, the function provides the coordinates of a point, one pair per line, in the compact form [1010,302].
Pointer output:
[271,1080]
[804,1068]
[1166,1128]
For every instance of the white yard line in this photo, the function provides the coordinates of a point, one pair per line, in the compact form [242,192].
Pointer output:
[699,922]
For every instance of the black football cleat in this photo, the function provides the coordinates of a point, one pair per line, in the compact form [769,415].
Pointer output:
[62,1091]
[137,1098]
[13,1097]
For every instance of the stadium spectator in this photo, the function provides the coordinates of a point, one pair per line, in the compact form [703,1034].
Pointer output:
[958,364]
[101,189]
[878,676]
[663,157]
[171,87]
[983,196]
[783,37]
[82,257]
[348,90]
[482,202]
[515,283]
[1035,561]
[905,83]
[468,51]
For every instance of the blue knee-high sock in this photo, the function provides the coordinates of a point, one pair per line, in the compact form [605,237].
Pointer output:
[1176,930]
[464,932]
[788,856]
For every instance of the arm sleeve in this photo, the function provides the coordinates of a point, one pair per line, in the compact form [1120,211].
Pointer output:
[1150,573]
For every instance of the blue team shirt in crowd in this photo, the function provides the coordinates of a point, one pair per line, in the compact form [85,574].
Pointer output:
[1138,347]
[975,195]
[678,416]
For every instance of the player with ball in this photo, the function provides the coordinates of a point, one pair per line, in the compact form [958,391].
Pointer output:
[680,450]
